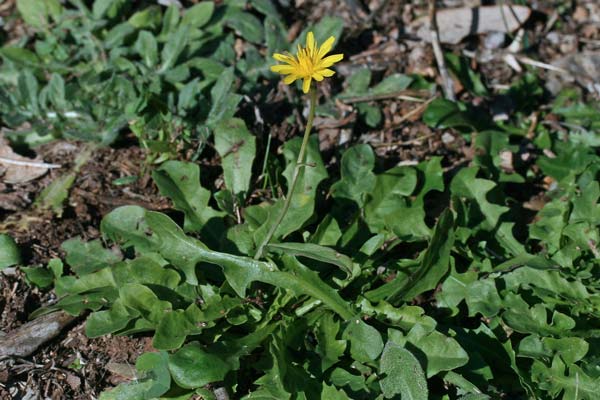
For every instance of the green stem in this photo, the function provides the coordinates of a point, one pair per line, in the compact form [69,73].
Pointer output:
[295,175]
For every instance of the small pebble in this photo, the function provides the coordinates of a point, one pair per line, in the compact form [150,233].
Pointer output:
[447,138]
[494,40]
[553,37]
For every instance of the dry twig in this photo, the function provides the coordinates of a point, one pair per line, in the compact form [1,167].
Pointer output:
[414,112]
[447,85]
[33,164]
[407,95]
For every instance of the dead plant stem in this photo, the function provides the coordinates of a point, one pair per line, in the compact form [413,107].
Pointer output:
[447,85]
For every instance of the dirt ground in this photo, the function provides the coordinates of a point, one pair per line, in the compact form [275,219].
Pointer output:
[73,366]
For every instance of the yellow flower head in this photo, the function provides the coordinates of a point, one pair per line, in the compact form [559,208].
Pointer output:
[309,63]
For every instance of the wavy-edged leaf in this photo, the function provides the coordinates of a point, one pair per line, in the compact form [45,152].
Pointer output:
[180,181]
[403,374]
[237,148]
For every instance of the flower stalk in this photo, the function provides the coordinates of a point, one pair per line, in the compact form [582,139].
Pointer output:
[311,63]
[300,163]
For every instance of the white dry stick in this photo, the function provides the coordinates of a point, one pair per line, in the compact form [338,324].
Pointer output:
[447,85]
[4,160]
[512,62]
[543,65]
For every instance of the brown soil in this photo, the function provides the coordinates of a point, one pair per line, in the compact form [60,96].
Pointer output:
[71,366]
[92,196]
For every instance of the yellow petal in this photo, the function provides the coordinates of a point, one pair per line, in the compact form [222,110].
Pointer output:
[317,76]
[290,79]
[283,58]
[330,60]
[310,42]
[326,72]
[282,69]
[306,84]
[303,60]
[326,47]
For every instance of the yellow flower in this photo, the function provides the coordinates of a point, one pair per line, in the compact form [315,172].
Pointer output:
[309,63]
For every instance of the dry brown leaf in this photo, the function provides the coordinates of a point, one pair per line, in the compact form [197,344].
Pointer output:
[18,169]
[123,370]
[457,23]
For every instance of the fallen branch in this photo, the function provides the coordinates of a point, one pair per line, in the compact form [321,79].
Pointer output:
[26,339]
